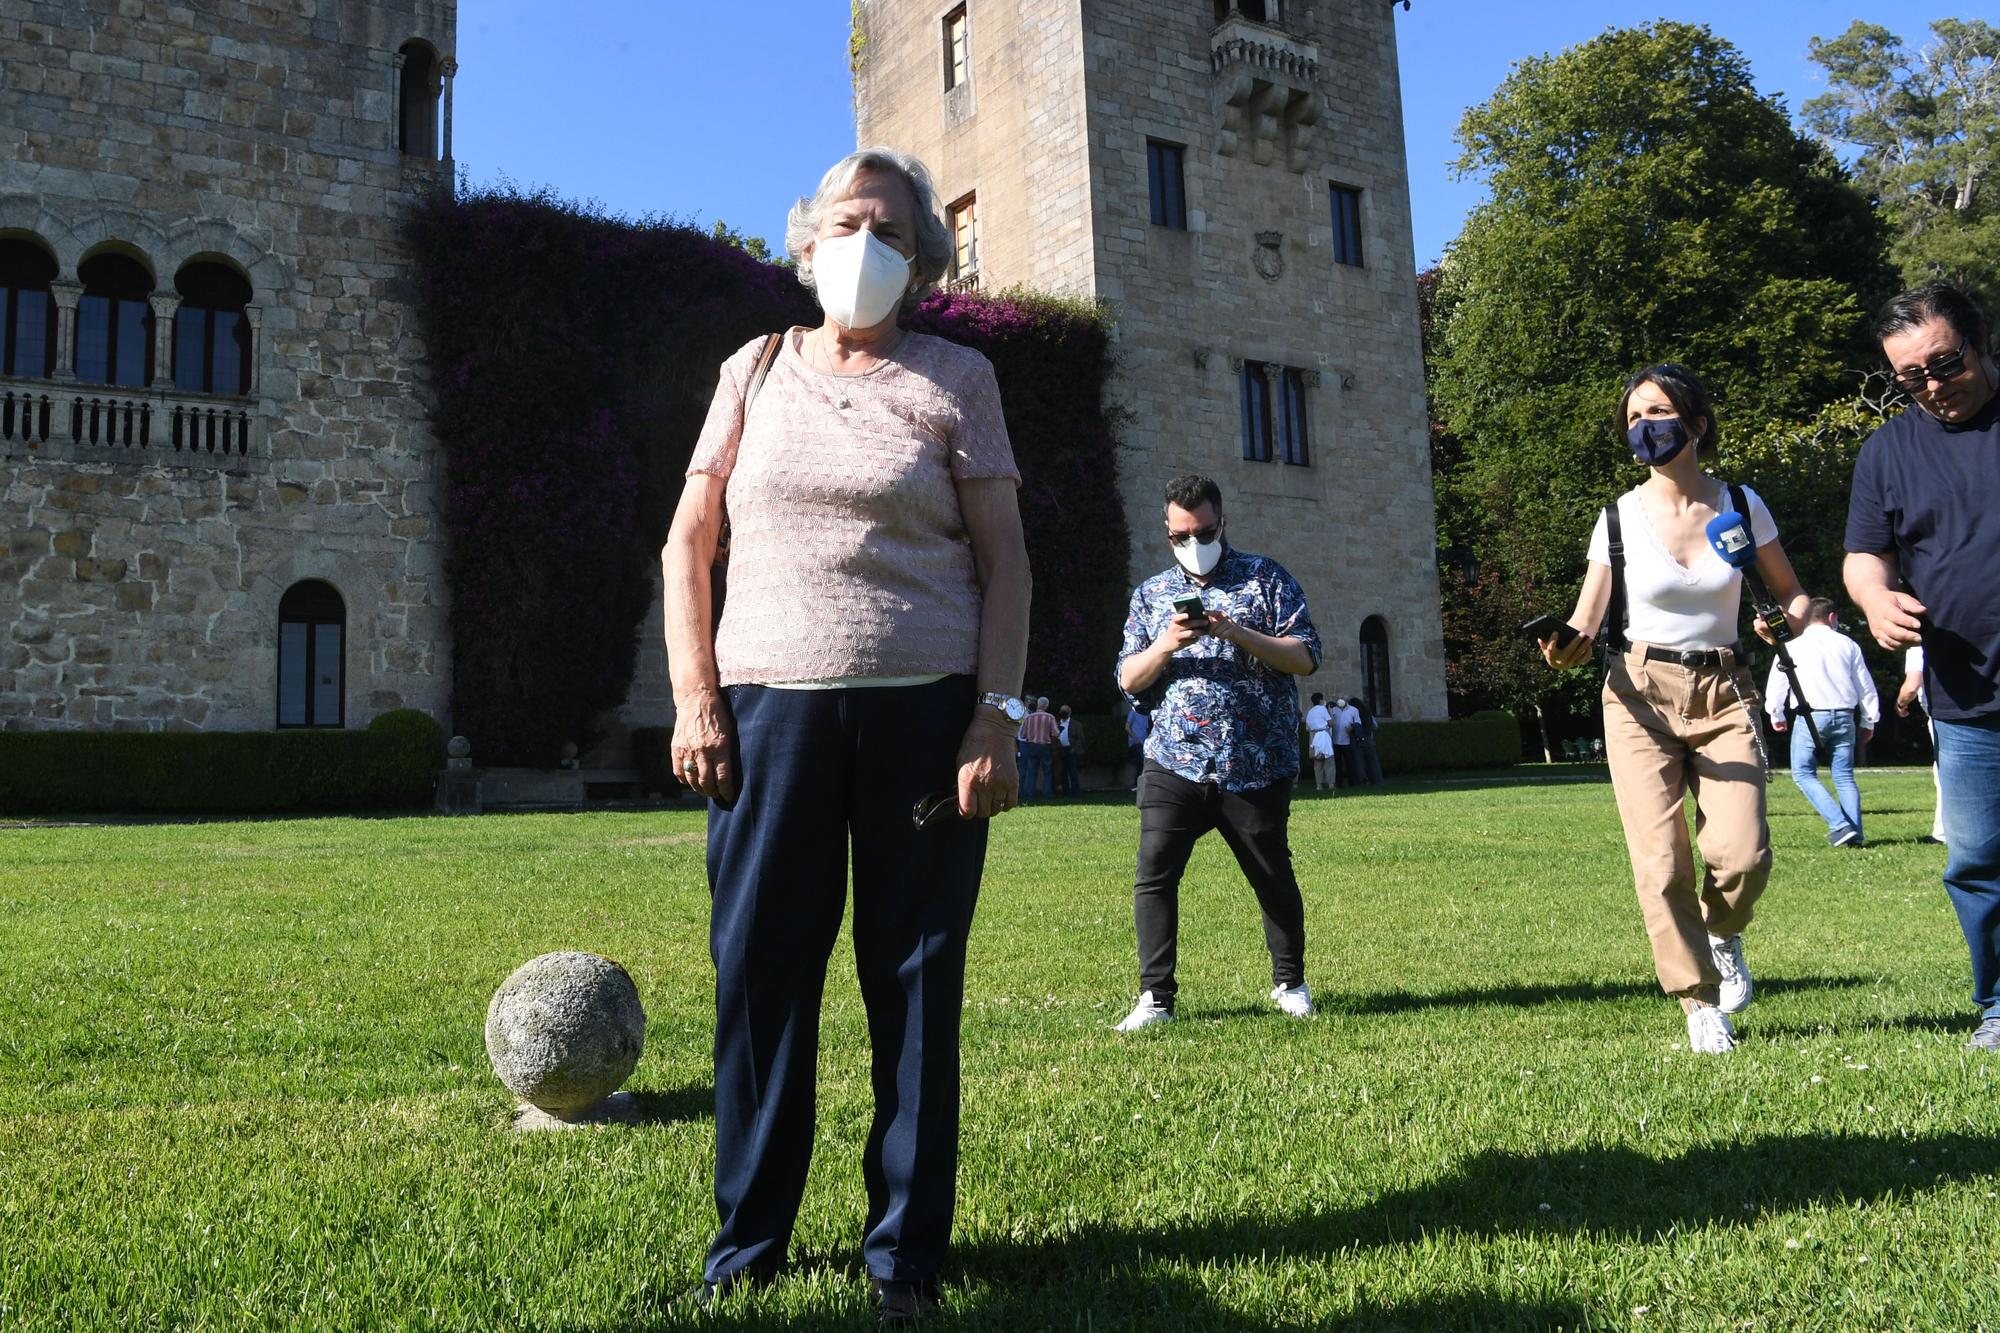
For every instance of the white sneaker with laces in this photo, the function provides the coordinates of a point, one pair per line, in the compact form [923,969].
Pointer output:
[1297,1001]
[1736,985]
[1145,1014]
[1709,1032]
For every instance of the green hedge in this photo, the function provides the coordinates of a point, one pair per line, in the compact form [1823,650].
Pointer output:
[1484,740]
[392,764]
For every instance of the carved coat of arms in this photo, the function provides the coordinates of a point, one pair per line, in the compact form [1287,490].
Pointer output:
[1269,256]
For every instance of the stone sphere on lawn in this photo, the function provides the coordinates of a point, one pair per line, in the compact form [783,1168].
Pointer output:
[565,1030]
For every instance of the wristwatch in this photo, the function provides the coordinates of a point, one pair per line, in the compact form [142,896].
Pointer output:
[1007,704]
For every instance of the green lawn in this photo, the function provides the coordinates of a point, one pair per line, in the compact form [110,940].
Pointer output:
[243,1085]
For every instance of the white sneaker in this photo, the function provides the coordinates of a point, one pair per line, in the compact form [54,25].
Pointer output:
[1736,985]
[1296,1001]
[1145,1014]
[1709,1032]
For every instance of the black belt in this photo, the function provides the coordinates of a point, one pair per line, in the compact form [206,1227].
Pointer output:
[1713,659]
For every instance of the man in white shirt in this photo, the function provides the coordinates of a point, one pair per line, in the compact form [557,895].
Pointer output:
[1835,682]
[1913,692]
[1345,720]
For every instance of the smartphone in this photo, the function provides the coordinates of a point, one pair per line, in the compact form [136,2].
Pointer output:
[1542,626]
[1189,604]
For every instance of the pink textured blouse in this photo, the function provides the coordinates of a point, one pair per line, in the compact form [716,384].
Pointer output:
[849,556]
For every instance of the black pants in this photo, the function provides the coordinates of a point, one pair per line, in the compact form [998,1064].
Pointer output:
[830,776]
[1173,815]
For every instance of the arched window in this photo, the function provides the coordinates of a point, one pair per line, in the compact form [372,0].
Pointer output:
[417,102]
[1375,666]
[211,332]
[114,322]
[312,670]
[27,311]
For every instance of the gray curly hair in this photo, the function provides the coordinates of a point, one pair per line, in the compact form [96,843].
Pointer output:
[933,241]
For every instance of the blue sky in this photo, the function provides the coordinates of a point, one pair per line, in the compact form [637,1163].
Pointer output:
[702,112]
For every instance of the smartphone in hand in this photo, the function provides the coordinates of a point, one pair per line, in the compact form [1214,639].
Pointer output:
[1189,604]
[1541,627]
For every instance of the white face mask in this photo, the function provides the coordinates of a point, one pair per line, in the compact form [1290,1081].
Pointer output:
[859,279]
[1198,558]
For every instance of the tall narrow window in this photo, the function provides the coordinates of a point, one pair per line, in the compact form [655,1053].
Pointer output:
[417,102]
[114,322]
[1346,225]
[1256,389]
[1292,417]
[1165,184]
[965,242]
[27,311]
[957,52]
[211,332]
[1375,666]
[312,667]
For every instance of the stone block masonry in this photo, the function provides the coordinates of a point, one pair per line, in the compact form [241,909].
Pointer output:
[152,529]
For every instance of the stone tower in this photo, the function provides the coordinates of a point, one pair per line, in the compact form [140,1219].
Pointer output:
[218,495]
[1229,176]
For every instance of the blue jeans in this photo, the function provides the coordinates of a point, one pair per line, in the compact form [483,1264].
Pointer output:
[1836,731]
[1038,761]
[1968,755]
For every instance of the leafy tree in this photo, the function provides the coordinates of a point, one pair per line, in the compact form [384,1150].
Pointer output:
[753,246]
[1927,124]
[1647,204]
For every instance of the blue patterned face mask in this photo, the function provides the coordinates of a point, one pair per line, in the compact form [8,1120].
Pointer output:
[1657,441]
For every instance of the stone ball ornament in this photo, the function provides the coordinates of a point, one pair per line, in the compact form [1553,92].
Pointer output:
[564,1032]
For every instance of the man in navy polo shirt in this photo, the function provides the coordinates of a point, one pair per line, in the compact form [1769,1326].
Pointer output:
[1224,748]
[1923,564]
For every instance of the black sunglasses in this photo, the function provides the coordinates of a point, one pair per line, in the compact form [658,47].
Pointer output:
[934,807]
[1946,367]
[1200,536]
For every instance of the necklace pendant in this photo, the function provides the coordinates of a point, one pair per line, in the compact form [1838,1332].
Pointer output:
[843,403]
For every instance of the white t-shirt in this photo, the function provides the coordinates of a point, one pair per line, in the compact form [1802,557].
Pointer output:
[1670,604]
[1317,718]
[1913,660]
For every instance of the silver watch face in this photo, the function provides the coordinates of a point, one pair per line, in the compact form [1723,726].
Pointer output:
[1013,708]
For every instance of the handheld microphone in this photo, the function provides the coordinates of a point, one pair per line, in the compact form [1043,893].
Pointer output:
[1729,537]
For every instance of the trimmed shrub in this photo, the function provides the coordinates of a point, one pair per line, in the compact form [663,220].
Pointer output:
[1485,740]
[574,356]
[218,772]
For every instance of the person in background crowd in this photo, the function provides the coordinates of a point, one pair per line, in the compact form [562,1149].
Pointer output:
[871,480]
[1679,703]
[1038,743]
[1224,749]
[1912,692]
[1835,681]
[1069,743]
[1343,743]
[1319,743]
[1923,564]
[1137,724]
[1367,763]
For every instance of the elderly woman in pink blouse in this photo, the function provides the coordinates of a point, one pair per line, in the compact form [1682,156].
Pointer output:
[856,699]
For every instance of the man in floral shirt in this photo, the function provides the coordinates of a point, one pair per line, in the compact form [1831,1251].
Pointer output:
[1224,748]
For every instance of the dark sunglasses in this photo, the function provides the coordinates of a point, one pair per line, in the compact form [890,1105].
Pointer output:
[1946,367]
[1200,536]
[934,807]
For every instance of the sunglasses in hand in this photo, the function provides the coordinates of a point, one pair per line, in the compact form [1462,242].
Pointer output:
[930,809]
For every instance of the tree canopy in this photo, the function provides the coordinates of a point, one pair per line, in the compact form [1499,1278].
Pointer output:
[1927,124]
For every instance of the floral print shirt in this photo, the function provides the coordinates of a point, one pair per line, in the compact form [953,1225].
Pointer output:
[1220,715]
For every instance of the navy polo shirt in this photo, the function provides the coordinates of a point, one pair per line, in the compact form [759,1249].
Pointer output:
[1926,491]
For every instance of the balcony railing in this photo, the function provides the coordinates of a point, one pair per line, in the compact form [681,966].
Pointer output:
[101,421]
[1267,91]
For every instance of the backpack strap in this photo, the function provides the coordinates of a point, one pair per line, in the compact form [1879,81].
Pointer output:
[1613,634]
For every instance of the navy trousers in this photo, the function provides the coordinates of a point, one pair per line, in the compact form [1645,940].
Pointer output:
[826,773]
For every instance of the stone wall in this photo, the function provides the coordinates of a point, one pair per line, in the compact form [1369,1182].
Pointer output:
[145,552]
[1271,116]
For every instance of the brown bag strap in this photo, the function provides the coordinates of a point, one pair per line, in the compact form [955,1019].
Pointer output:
[764,360]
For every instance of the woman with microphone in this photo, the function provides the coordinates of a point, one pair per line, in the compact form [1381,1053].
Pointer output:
[1679,703]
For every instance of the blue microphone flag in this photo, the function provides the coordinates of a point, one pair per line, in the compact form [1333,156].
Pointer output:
[1729,535]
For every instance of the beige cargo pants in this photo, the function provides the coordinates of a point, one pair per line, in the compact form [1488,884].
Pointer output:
[1670,730]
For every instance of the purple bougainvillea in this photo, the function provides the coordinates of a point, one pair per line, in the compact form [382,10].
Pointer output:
[573,359]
